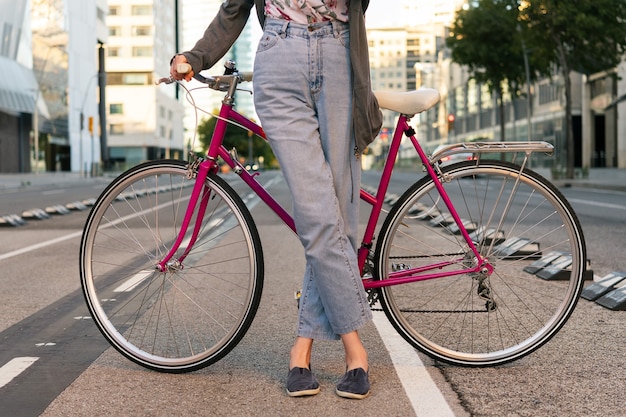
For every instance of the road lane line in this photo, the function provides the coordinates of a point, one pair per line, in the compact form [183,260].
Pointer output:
[596,203]
[135,280]
[39,245]
[113,223]
[52,192]
[420,388]
[15,367]
[76,234]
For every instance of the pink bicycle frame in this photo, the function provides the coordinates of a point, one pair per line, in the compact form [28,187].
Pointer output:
[412,274]
[201,193]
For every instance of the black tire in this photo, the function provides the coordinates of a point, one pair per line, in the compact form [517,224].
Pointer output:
[193,314]
[473,319]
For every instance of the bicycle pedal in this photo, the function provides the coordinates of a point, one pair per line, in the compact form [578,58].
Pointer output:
[297,296]
[400,267]
[372,296]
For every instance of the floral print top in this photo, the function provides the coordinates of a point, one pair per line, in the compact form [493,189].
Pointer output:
[308,11]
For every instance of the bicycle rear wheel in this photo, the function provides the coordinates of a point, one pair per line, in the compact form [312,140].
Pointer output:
[192,314]
[481,319]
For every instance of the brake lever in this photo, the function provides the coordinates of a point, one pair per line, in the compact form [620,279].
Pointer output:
[165,80]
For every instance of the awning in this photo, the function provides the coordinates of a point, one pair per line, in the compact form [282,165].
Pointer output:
[18,87]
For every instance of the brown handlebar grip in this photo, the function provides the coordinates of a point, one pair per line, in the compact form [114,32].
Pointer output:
[246,76]
[183,68]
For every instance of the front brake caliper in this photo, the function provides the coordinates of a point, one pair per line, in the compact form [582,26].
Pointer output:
[192,166]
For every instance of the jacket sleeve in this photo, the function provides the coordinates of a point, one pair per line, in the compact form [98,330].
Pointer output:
[220,35]
[367,119]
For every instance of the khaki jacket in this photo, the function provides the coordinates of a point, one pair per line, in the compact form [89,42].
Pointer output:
[226,27]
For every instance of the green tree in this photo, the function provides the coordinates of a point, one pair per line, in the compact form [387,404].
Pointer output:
[486,38]
[586,36]
[238,138]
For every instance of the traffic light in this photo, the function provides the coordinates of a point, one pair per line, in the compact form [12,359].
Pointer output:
[450,122]
[91,124]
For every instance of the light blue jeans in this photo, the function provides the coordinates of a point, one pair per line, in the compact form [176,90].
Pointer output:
[303,96]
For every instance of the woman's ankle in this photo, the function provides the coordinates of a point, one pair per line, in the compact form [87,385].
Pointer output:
[356,355]
[300,355]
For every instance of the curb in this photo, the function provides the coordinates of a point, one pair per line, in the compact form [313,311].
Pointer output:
[584,184]
[15,220]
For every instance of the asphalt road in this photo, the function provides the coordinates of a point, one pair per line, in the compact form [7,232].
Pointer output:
[581,372]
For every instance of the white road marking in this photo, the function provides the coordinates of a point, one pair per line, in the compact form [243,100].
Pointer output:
[52,192]
[75,234]
[113,223]
[596,203]
[425,397]
[13,368]
[135,280]
[39,245]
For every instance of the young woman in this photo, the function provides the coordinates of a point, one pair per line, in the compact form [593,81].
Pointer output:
[313,96]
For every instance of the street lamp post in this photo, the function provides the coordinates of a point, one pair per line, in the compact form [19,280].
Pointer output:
[36,131]
[83,170]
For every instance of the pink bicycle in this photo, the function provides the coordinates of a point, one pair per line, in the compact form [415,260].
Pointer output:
[171,262]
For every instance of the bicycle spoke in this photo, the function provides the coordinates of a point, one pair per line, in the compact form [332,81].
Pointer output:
[474,318]
[192,313]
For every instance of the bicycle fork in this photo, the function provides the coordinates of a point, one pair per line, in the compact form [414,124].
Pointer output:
[200,168]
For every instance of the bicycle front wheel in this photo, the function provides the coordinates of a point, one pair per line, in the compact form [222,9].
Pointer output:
[517,220]
[196,311]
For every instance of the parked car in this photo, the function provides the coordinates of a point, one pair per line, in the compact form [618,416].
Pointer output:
[450,159]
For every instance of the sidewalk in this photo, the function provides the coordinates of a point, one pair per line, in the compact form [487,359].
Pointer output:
[613,179]
[42,180]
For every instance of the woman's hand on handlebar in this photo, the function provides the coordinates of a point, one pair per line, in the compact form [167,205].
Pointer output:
[181,72]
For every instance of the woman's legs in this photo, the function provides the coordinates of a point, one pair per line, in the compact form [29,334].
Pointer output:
[305,107]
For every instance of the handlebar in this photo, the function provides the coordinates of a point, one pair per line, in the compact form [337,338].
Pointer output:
[219,82]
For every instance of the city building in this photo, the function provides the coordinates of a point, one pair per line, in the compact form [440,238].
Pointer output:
[404,58]
[18,87]
[412,45]
[144,120]
[48,57]
[596,107]
[196,16]
[56,53]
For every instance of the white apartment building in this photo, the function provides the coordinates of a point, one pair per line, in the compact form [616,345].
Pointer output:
[144,120]
[66,36]
[86,34]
